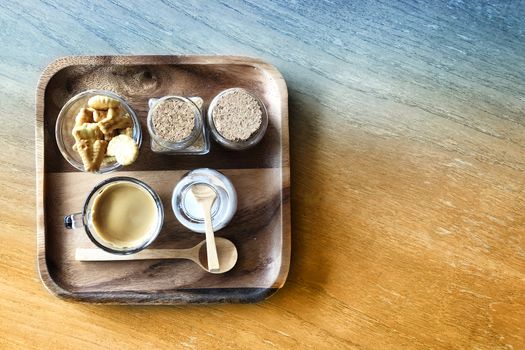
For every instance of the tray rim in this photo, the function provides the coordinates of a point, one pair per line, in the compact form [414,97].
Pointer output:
[131,298]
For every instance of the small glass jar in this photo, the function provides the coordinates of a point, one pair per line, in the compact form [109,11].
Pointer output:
[189,212]
[254,139]
[196,143]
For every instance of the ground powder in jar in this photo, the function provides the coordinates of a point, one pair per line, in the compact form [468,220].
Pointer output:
[173,120]
[237,115]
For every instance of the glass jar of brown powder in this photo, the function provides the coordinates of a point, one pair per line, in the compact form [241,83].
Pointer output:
[237,119]
[176,125]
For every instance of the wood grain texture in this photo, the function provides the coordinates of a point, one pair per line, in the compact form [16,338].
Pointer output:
[255,230]
[258,229]
[407,136]
[140,78]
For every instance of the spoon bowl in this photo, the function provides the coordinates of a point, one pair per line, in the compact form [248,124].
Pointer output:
[226,252]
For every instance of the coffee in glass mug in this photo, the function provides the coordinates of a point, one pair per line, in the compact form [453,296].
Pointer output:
[121,215]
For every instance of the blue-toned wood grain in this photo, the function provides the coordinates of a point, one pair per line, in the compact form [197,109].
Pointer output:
[407,124]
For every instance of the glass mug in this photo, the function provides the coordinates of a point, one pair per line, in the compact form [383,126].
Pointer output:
[121,215]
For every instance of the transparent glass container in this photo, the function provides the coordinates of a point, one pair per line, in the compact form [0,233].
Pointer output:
[84,219]
[196,143]
[66,121]
[254,139]
[188,211]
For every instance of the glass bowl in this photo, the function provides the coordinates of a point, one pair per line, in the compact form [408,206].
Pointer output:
[66,122]
[237,145]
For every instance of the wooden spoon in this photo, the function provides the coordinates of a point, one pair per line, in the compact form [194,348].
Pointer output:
[205,196]
[227,254]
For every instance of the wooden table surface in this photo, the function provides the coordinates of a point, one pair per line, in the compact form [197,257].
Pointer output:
[407,126]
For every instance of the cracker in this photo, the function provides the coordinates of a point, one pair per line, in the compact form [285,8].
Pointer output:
[92,153]
[85,115]
[98,115]
[124,149]
[114,121]
[103,102]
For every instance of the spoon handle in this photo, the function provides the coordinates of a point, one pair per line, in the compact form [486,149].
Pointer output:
[95,254]
[211,248]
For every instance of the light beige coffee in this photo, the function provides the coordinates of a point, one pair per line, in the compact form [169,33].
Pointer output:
[124,214]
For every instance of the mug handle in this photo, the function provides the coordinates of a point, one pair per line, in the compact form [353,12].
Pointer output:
[73,221]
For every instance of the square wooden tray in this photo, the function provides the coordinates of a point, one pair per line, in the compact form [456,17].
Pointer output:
[260,229]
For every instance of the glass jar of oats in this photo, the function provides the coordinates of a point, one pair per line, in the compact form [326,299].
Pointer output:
[237,119]
[176,125]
